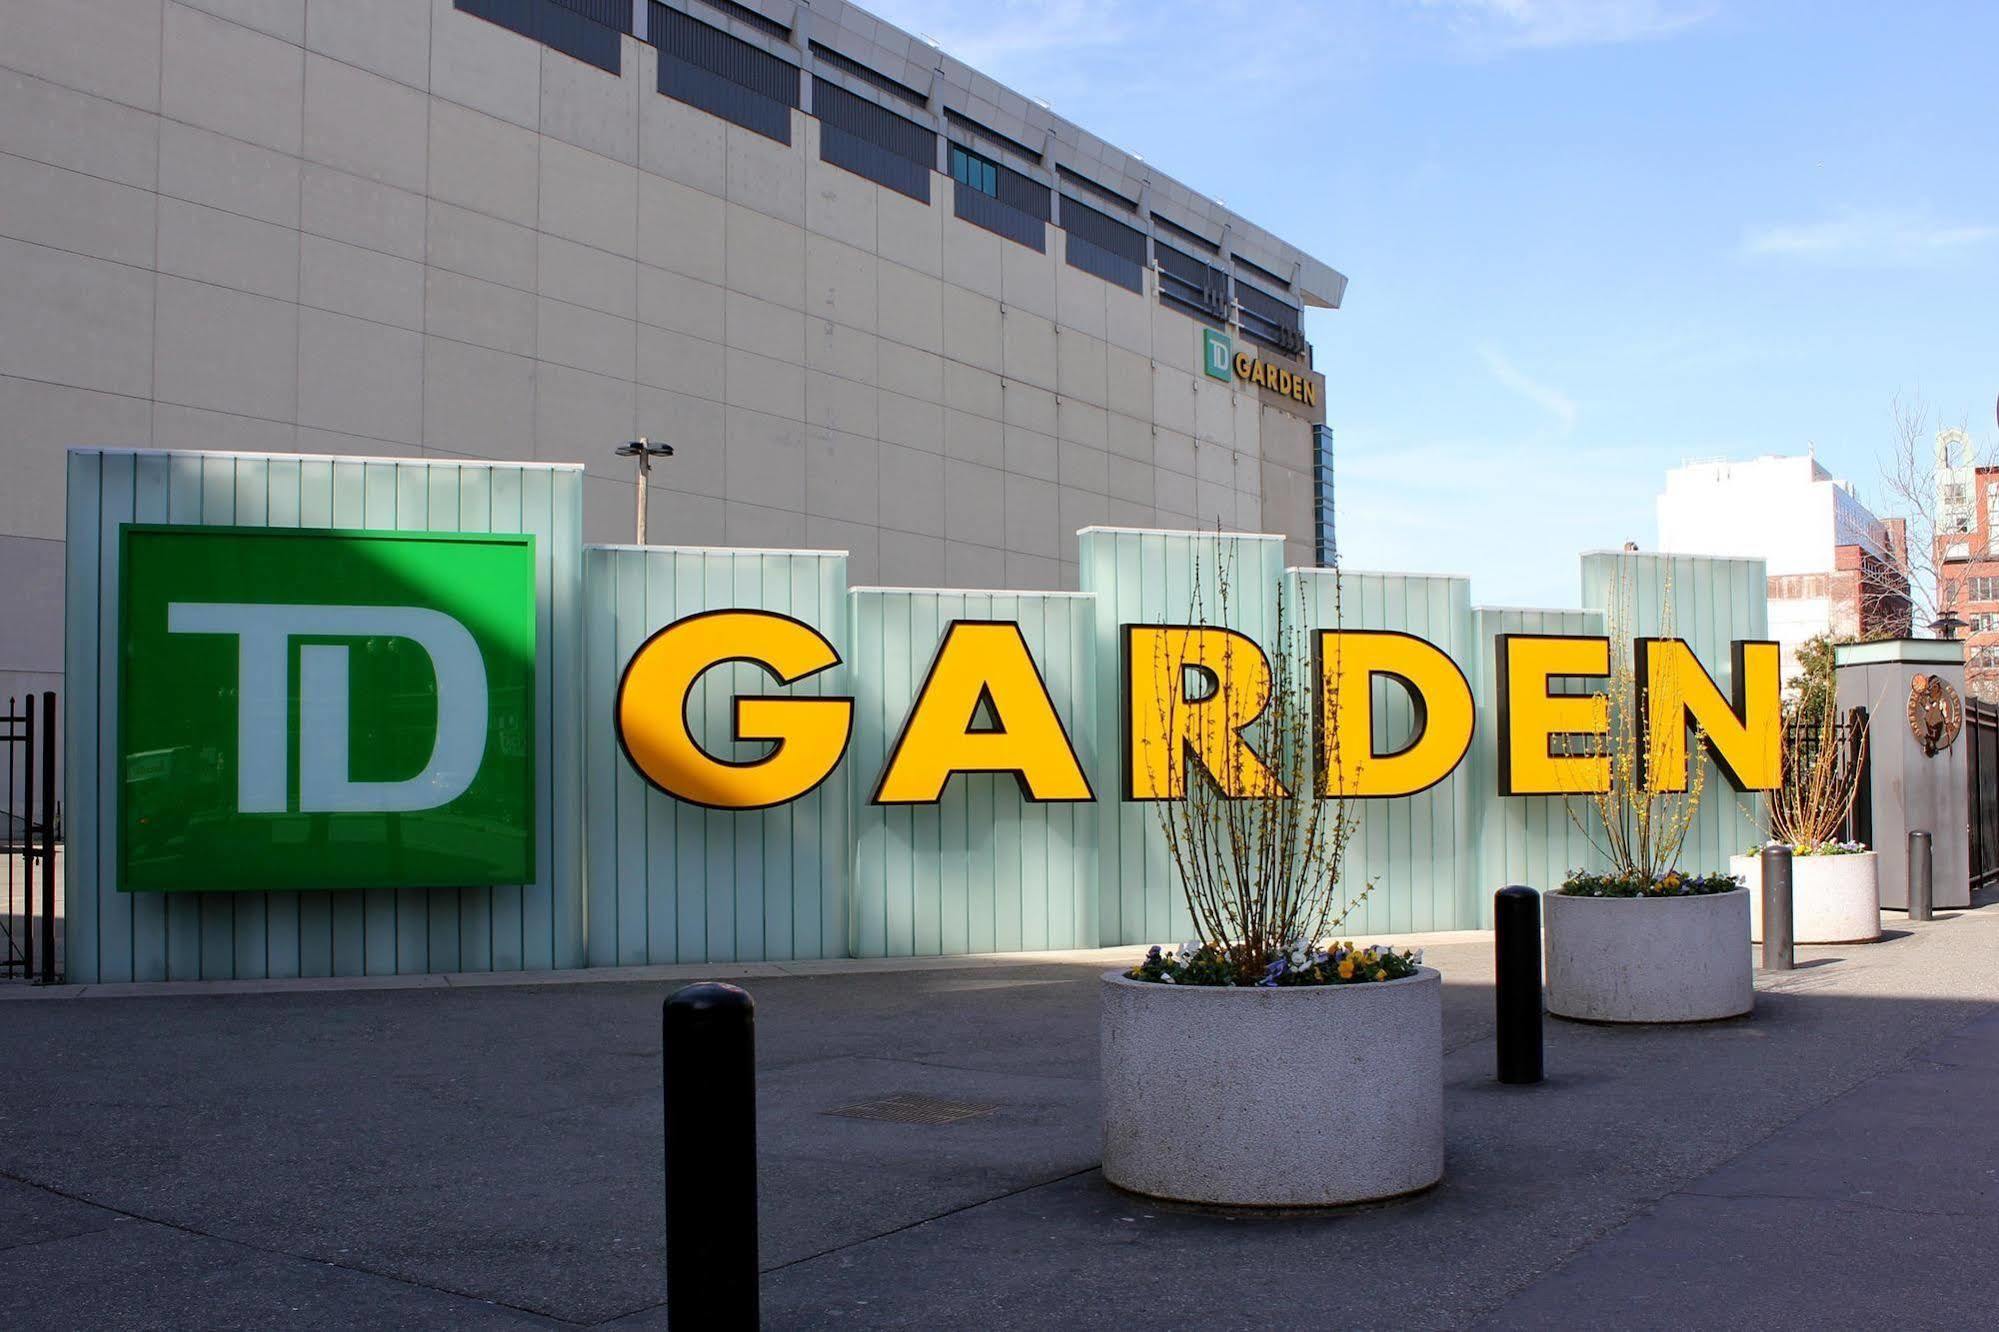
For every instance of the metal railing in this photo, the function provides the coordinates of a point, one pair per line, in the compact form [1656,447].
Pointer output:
[30,829]
[1849,735]
[1981,734]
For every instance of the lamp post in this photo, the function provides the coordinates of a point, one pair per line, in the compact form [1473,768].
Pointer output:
[645,451]
[1947,624]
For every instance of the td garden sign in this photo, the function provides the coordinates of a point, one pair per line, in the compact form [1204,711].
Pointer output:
[328,729]
[1190,697]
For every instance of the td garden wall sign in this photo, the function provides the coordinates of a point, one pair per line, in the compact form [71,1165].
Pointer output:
[1190,697]
[559,755]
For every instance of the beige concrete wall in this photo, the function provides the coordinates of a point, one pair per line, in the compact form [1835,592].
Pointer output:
[385,227]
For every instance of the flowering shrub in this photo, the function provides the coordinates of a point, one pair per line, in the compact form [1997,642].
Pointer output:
[1633,883]
[1300,964]
[1818,849]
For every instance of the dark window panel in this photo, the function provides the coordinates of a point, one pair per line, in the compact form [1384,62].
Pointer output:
[870,140]
[719,53]
[982,210]
[1103,231]
[611,13]
[1192,287]
[1269,320]
[561,25]
[850,152]
[1091,258]
[723,75]
[1026,194]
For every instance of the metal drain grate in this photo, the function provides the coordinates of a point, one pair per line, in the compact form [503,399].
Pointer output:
[914,1108]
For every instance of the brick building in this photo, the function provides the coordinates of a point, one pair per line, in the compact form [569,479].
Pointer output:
[1968,567]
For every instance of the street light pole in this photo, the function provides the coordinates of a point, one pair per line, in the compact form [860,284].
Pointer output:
[645,451]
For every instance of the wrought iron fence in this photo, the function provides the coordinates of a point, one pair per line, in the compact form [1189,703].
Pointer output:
[30,829]
[1981,734]
[1848,734]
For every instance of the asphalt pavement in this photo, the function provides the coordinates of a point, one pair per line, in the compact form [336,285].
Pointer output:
[490,1156]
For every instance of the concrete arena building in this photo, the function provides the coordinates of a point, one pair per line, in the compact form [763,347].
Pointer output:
[876,301]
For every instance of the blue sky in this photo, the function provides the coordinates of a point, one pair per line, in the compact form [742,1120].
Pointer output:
[1587,239]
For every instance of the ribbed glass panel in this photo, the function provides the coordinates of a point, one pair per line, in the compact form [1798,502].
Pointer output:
[1326,546]
[615,14]
[983,210]
[724,75]
[1102,230]
[1193,287]
[1102,245]
[1025,194]
[561,25]
[850,152]
[1091,258]
[1269,320]
[869,140]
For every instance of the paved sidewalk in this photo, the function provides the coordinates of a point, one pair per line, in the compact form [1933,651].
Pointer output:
[488,1156]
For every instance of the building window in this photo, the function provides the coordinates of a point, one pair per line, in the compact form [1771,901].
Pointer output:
[723,75]
[968,168]
[588,30]
[870,140]
[1325,541]
[999,199]
[1984,588]
[996,140]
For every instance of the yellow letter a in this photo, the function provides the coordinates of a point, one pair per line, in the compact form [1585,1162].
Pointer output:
[983,661]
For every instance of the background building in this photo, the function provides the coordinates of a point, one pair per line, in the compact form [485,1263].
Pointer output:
[877,301]
[1968,556]
[1833,566]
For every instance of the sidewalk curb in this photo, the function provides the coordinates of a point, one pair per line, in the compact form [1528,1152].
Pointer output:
[1107,958]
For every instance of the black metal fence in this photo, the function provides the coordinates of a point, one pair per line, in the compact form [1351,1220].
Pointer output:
[30,829]
[1981,735]
[1848,734]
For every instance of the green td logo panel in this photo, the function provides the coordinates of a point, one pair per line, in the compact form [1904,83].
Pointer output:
[310,709]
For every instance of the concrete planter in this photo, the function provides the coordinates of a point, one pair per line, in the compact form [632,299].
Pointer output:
[1834,899]
[1302,1096]
[1649,959]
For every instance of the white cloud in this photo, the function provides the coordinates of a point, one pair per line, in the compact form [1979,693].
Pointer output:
[1558,404]
[1514,25]
[1867,236]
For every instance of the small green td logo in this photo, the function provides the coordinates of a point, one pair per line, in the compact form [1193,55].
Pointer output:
[1216,355]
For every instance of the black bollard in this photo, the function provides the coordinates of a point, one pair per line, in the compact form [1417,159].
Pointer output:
[1516,944]
[1920,868]
[1777,952]
[708,1046]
